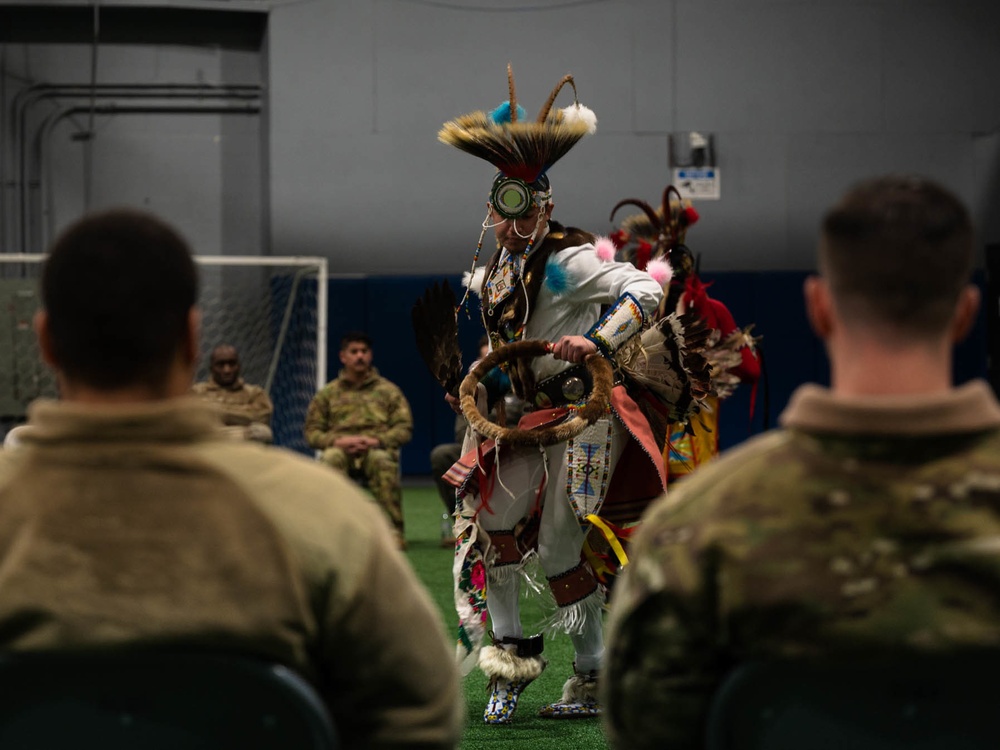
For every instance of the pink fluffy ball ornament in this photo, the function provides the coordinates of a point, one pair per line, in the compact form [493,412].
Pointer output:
[605,249]
[660,270]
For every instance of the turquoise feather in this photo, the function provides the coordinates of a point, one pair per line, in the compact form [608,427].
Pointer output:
[501,114]
[557,278]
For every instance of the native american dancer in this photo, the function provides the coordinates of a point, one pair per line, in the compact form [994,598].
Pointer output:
[654,240]
[572,329]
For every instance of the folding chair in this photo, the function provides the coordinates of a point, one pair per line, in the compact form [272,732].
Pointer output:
[911,701]
[157,701]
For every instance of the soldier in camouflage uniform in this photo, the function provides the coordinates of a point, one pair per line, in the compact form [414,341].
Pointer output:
[870,521]
[359,421]
[246,409]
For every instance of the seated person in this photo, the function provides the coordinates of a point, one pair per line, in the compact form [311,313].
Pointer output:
[246,409]
[359,421]
[444,456]
[867,524]
[129,521]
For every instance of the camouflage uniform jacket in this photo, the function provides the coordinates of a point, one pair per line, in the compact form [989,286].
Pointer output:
[240,404]
[865,524]
[376,408]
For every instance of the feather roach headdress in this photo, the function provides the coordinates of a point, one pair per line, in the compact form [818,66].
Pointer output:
[657,234]
[522,150]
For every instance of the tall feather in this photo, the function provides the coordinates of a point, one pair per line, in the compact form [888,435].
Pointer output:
[543,114]
[511,94]
[435,325]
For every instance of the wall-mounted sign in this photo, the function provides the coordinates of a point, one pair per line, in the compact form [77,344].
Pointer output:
[697,183]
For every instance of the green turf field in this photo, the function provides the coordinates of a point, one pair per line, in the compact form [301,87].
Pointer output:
[422,509]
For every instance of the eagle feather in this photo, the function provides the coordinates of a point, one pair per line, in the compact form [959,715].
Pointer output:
[435,325]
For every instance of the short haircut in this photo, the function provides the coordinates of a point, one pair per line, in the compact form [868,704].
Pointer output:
[352,337]
[219,347]
[117,287]
[897,251]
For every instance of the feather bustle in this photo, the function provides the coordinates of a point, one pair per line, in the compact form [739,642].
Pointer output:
[669,361]
[726,355]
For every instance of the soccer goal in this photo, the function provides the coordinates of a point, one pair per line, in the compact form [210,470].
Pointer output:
[273,309]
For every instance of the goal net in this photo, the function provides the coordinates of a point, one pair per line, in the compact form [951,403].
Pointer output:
[271,308]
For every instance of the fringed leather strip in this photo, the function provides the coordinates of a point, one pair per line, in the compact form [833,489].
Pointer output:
[573,586]
[506,548]
[573,618]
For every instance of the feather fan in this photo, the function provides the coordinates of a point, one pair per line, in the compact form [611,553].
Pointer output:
[669,362]
[435,325]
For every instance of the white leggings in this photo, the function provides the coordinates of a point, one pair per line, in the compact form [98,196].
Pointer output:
[560,536]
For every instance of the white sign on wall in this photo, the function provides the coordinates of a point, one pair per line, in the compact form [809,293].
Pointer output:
[697,183]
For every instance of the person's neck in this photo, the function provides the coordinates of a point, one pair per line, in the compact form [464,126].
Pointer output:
[543,232]
[356,379]
[176,384]
[868,367]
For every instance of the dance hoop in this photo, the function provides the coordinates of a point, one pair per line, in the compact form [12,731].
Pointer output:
[593,408]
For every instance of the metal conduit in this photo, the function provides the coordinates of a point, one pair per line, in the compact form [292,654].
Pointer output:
[45,131]
[31,95]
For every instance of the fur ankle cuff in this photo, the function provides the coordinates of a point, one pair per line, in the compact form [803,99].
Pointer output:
[499,663]
[580,688]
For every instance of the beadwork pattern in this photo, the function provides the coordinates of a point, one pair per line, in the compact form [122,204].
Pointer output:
[503,701]
[588,468]
[623,321]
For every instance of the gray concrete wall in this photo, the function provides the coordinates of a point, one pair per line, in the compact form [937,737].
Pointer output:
[803,98]
[202,171]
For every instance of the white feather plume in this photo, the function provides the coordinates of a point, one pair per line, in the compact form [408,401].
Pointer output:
[578,113]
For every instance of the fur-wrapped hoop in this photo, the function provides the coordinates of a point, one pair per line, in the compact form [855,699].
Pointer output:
[500,664]
[595,407]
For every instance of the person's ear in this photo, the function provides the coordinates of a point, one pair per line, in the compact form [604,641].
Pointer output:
[191,340]
[44,336]
[965,312]
[819,307]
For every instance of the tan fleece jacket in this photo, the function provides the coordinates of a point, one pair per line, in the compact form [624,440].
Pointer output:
[142,526]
